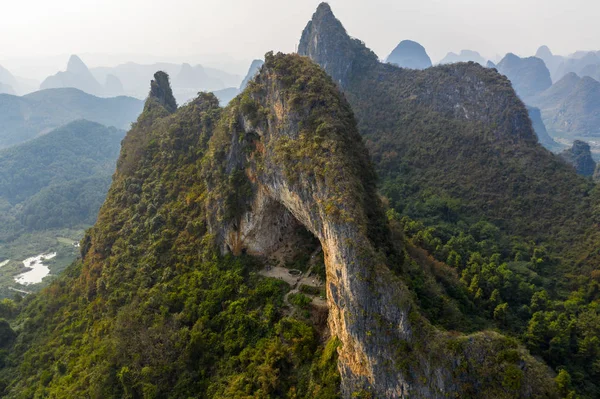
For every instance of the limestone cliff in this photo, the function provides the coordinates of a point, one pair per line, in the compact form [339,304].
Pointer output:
[295,147]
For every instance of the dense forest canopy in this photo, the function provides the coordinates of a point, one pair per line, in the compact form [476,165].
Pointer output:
[470,184]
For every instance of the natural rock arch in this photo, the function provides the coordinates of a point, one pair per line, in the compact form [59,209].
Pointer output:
[292,145]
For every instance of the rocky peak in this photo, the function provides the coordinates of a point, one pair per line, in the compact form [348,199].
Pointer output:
[544,53]
[409,54]
[580,156]
[252,71]
[160,91]
[77,66]
[325,40]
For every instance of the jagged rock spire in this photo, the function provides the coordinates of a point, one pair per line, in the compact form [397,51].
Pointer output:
[160,90]
[326,42]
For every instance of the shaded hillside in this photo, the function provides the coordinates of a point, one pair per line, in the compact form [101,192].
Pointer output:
[57,180]
[553,62]
[409,54]
[570,107]
[529,76]
[461,166]
[580,157]
[23,118]
[577,63]
[6,89]
[540,130]
[10,84]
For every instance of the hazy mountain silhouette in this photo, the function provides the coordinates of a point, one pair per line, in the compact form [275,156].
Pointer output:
[76,76]
[23,118]
[529,76]
[113,86]
[552,61]
[10,84]
[254,68]
[464,56]
[577,63]
[571,107]
[409,54]
[580,157]
[187,80]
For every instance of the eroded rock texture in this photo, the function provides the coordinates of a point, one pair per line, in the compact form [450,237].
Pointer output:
[291,143]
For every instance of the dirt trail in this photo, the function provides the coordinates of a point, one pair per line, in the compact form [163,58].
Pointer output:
[295,281]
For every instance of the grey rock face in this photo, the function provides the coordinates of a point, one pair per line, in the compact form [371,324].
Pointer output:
[387,349]
[160,90]
[326,42]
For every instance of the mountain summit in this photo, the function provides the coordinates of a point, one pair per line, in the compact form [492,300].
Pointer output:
[409,54]
[77,76]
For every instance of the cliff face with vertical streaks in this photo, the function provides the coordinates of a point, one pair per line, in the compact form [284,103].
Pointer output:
[296,143]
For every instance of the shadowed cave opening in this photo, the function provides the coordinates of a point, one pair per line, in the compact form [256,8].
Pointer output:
[289,252]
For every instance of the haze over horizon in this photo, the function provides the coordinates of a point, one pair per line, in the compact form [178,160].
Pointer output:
[187,29]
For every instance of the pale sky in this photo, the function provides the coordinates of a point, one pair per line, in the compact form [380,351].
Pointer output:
[246,29]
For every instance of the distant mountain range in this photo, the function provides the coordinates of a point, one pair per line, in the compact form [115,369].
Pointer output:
[226,95]
[580,157]
[464,56]
[187,80]
[571,107]
[23,118]
[529,76]
[540,130]
[132,79]
[10,84]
